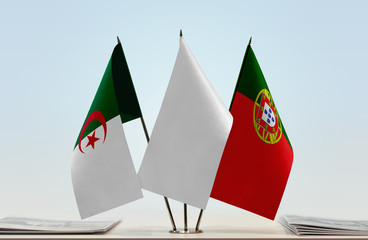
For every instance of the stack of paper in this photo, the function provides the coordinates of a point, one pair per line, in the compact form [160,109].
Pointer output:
[322,226]
[43,226]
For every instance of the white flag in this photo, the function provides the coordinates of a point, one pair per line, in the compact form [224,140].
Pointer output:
[188,138]
[103,173]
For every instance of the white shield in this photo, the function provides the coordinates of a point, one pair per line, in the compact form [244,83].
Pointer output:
[268,115]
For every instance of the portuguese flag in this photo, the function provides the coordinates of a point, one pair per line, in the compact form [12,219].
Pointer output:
[103,173]
[258,156]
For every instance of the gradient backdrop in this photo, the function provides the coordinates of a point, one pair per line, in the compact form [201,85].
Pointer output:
[313,55]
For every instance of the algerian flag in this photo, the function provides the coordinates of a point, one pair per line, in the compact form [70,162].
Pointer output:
[188,138]
[103,173]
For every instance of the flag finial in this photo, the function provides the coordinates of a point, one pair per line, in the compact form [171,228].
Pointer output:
[181,33]
[250,41]
[118,40]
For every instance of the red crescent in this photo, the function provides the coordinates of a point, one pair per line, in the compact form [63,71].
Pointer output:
[96,115]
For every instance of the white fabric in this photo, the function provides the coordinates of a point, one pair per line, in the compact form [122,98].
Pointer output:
[104,177]
[188,138]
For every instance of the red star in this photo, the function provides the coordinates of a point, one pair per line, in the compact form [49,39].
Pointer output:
[92,140]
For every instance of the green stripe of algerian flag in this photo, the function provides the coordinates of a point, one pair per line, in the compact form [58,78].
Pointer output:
[115,95]
[251,80]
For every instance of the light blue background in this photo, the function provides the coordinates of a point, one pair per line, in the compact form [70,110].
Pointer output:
[312,53]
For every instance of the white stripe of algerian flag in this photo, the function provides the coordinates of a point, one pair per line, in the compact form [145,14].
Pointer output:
[188,138]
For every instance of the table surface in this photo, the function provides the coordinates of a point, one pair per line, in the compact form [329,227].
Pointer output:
[219,226]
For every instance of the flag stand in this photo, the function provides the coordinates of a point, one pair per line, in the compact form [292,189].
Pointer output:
[186,230]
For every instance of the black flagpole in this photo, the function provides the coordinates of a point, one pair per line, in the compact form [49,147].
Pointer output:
[199,220]
[166,200]
[185,218]
[185,205]
[237,83]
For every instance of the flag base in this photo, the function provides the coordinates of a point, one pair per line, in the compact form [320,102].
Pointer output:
[182,231]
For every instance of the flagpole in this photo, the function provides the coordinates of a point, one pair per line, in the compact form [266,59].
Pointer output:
[199,220]
[185,205]
[170,213]
[185,218]
[147,138]
[165,198]
[241,69]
